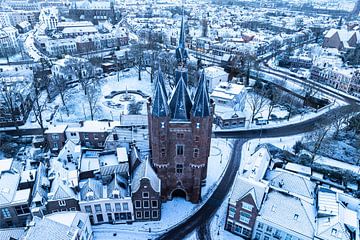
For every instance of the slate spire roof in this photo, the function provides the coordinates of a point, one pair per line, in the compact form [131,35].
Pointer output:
[181,51]
[180,103]
[160,106]
[160,79]
[201,106]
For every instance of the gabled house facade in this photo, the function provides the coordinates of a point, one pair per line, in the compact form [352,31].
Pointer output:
[244,205]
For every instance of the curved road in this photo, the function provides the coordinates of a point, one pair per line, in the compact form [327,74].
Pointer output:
[206,212]
[213,203]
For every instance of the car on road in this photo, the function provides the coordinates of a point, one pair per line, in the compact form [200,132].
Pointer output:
[261,121]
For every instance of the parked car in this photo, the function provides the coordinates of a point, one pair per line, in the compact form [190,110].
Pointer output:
[261,121]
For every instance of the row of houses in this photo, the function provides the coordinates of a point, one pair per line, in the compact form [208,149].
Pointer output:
[346,80]
[267,202]
[96,168]
[82,40]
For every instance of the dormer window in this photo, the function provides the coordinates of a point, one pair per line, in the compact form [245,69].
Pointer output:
[296,216]
[90,195]
[333,232]
[115,193]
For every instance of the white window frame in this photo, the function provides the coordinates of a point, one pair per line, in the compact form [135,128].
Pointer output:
[247,206]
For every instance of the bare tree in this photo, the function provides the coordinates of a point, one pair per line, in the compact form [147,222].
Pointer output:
[83,70]
[274,94]
[317,138]
[257,102]
[339,119]
[60,85]
[92,97]
[137,50]
[38,109]
[10,100]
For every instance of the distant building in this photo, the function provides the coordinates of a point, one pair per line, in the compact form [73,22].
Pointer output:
[229,94]
[19,16]
[296,62]
[72,69]
[49,17]
[93,11]
[8,41]
[24,27]
[346,80]
[341,39]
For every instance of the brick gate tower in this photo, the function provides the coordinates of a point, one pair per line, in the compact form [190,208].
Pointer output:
[180,132]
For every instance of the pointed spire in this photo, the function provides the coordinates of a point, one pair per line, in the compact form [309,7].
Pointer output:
[182,33]
[201,106]
[181,51]
[160,107]
[180,102]
[160,79]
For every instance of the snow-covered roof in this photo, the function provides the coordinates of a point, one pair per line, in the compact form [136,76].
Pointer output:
[11,233]
[84,29]
[21,196]
[56,129]
[134,120]
[343,34]
[60,190]
[335,221]
[8,184]
[91,189]
[57,226]
[244,186]
[295,184]
[118,186]
[70,148]
[94,126]
[122,155]
[70,219]
[74,24]
[5,164]
[89,161]
[145,171]
[291,213]
[297,168]
[255,167]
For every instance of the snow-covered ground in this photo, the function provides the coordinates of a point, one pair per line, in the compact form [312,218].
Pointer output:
[335,163]
[285,143]
[278,123]
[78,105]
[178,210]
[30,47]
